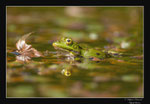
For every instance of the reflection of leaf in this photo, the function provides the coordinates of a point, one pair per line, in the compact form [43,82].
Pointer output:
[26,51]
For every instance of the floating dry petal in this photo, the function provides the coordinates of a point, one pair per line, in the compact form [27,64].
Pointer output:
[26,51]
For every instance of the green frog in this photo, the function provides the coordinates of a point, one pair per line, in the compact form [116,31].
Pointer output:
[68,47]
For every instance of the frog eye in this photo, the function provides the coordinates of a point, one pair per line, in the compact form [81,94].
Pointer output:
[68,41]
[67,73]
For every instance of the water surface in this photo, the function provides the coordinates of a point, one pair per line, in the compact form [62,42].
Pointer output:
[119,27]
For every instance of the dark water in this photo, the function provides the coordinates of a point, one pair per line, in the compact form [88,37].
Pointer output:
[104,27]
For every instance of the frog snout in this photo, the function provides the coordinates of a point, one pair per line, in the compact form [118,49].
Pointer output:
[54,44]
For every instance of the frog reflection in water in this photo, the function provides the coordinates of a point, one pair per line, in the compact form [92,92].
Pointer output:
[74,51]
[66,72]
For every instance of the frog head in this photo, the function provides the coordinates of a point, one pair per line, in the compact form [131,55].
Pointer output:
[66,44]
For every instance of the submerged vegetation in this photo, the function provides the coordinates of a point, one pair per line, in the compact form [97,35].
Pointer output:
[36,69]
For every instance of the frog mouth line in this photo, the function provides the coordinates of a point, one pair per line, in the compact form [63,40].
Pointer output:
[61,49]
[66,50]
[62,52]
